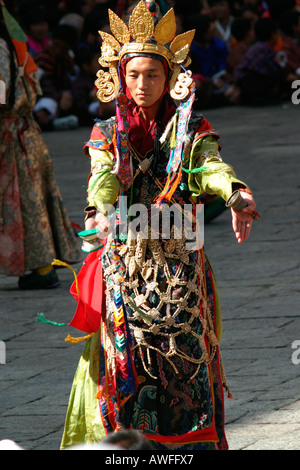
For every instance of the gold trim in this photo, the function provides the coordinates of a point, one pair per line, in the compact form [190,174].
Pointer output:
[141,25]
[141,29]
[165,30]
[147,48]
[118,28]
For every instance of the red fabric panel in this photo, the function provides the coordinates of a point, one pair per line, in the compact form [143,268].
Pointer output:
[91,296]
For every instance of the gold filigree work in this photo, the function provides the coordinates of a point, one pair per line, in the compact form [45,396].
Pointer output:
[141,25]
[145,319]
[142,36]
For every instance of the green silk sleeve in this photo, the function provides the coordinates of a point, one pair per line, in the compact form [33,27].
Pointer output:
[103,187]
[207,172]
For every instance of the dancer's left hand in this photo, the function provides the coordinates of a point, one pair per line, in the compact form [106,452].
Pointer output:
[242,221]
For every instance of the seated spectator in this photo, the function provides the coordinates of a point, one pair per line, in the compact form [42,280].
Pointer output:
[260,7]
[205,8]
[75,20]
[277,8]
[261,75]
[209,54]
[244,35]
[181,8]
[86,102]
[249,13]
[37,30]
[221,11]
[56,73]
[94,20]
[290,27]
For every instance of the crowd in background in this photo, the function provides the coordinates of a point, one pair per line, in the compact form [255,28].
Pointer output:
[244,52]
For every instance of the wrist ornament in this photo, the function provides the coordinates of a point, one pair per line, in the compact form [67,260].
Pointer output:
[236,201]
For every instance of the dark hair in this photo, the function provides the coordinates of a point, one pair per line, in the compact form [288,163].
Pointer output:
[95,20]
[278,7]
[66,33]
[129,439]
[265,28]
[240,28]
[213,3]
[4,34]
[289,19]
[85,54]
[200,23]
[181,7]
[34,16]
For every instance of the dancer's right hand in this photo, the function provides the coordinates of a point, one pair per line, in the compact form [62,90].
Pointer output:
[99,221]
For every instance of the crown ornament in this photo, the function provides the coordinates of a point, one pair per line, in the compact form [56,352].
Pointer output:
[143,36]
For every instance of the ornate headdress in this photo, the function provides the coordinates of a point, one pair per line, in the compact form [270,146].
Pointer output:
[143,36]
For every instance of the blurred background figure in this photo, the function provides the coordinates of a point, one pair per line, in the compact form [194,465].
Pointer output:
[221,11]
[290,27]
[57,71]
[209,55]
[37,29]
[261,75]
[86,103]
[34,225]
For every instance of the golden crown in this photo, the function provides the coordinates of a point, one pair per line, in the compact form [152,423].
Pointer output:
[143,36]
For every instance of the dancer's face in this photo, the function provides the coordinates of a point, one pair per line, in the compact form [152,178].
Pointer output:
[145,78]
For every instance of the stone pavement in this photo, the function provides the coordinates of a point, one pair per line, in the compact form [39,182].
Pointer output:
[258,284]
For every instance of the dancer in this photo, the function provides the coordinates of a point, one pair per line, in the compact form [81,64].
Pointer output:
[34,225]
[149,303]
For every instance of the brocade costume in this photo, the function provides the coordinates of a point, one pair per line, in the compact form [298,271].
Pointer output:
[149,302]
[34,224]
[171,304]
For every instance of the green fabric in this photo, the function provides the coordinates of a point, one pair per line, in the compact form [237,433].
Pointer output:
[104,187]
[83,422]
[217,177]
[195,170]
[15,31]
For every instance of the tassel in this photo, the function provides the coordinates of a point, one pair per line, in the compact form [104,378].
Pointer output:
[70,339]
[195,170]
[161,197]
[57,262]
[177,142]
[174,185]
[41,318]
[169,189]
[224,379]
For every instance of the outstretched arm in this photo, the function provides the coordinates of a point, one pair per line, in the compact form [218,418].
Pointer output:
[217,177]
